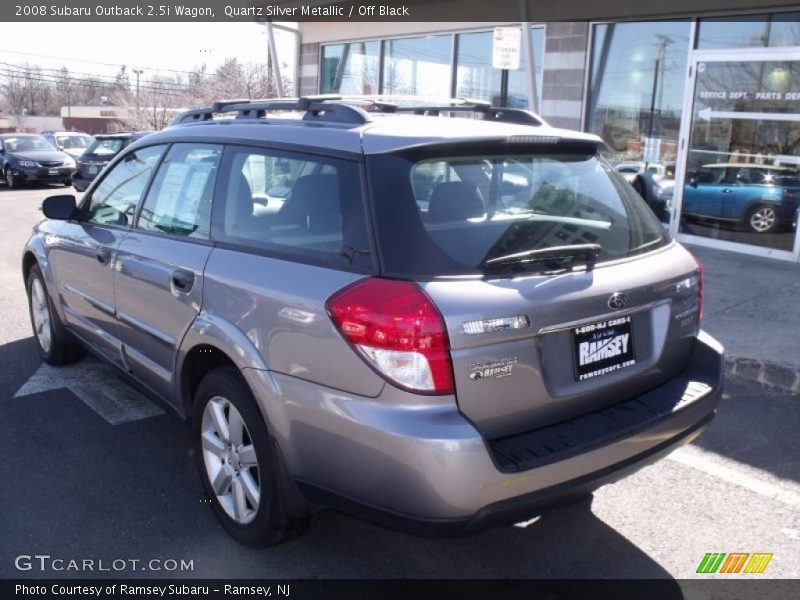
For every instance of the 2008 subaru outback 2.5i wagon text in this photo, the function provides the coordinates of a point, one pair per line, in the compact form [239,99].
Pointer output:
[435,322]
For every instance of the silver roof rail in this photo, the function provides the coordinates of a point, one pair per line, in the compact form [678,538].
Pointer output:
[324,107]
[355,109]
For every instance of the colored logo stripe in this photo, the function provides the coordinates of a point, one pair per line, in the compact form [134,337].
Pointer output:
[758,563]
[713,562]
[734,562]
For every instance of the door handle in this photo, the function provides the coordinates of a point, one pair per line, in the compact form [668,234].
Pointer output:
[727,191]
[182,280]
[103,254]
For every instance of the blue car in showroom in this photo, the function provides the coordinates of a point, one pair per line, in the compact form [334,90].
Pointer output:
[759,198]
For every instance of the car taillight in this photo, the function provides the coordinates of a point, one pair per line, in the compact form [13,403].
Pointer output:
[398,331]
[700,283]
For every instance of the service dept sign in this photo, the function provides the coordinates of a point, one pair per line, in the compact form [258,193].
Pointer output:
[506,47]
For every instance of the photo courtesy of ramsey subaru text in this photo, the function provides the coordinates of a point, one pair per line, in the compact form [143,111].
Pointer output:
[435,317]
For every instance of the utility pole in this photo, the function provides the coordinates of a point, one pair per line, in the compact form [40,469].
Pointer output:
[138,72]
[273,58]
[69,98]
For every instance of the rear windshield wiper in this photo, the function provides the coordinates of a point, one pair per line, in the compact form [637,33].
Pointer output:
[575,252]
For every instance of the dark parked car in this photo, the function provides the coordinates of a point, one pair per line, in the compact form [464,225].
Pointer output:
[760,198]
[656,184]
[28,158]
[99,154]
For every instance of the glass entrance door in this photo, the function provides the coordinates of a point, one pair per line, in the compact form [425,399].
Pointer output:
[739,185]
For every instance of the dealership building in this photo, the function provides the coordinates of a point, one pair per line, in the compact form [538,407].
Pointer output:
[709,105]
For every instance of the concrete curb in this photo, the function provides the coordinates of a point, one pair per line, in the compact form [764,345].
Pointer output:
[779,375]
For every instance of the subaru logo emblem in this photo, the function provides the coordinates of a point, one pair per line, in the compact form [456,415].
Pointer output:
[617,301]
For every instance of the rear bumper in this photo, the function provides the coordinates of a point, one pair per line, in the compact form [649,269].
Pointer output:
[426,470]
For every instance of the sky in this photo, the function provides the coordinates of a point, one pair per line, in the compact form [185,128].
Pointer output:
[155,47]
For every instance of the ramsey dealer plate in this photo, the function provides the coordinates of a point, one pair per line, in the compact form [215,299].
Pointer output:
[602,347]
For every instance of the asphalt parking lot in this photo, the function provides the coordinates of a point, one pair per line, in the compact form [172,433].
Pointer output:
[89,469]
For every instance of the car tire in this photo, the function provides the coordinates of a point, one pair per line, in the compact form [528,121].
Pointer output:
[240,470]
[762,218]
[56,346]
[11,181]
[67,182]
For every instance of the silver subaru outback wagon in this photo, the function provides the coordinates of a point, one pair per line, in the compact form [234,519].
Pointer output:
[438,318]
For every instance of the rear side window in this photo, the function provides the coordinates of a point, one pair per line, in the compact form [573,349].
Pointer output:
[294,205]
[440,216]
[179,201]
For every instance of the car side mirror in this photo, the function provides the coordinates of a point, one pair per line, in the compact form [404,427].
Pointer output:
[693,182]
[61,207]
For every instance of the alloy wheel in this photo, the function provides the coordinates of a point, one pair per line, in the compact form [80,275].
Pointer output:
[230,460]
[763,219]
[40,311]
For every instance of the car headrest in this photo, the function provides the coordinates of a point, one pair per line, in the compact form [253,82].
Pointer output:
[454,201]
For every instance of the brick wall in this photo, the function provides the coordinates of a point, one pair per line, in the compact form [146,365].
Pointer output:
[563,73]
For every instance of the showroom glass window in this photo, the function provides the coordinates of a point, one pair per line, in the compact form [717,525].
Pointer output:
[419,66]
[476,78]
[749,31]
[636,85]
[352,68]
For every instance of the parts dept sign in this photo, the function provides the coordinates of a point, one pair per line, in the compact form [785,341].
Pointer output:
[506,44]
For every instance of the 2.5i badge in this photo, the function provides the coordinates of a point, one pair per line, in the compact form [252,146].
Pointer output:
[495,369]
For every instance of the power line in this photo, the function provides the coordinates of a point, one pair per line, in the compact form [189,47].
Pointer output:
[49,79]
[92,62]
[186,87]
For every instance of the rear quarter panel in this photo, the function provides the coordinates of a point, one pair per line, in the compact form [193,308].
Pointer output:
[276,310]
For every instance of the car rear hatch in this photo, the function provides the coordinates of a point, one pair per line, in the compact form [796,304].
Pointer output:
[531,351]
[560,291]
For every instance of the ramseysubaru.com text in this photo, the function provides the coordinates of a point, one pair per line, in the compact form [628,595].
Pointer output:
[161,591]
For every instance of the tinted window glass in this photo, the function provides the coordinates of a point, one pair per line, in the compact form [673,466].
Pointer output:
[444,216]
[73,141]
[352,68]
[179,201]
[476,78]
[781,29]
[106,146]
[295,205]
[27,143]
[418,66]
[115,198]
[636,88]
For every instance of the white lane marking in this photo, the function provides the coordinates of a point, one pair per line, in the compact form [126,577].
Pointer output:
[725,469]
[98,386]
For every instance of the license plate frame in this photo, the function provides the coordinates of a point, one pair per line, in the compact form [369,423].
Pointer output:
[602,347]
[91,170]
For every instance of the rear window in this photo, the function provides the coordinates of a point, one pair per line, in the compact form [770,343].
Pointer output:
[451,215]
[73,141]
[105,146]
